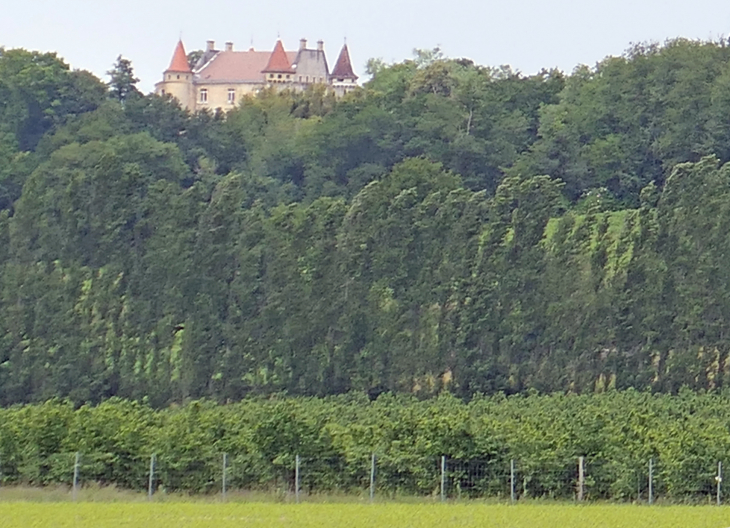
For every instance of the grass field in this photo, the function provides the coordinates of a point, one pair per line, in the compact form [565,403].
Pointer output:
[266,515]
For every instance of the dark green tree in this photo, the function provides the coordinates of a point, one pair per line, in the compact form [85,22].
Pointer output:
[122,83]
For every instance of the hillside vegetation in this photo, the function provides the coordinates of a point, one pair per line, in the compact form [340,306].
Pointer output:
[448,226]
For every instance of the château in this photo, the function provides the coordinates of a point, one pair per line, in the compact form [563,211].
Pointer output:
[220,78]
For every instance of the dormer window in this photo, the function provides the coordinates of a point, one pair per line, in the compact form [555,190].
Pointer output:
[203,95]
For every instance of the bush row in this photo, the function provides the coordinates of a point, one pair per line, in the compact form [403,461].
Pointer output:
[617,433]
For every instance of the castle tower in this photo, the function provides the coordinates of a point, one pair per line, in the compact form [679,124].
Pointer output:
[343,78]
[279,70]
[310,66]
[177,80]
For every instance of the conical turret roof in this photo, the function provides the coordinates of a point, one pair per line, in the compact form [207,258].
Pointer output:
[279,62]
[343,67]
[179,63]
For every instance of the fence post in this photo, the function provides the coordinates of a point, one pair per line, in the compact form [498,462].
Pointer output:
[372,477]
[581,478]
[651,481]
[718,478]
[150,486]
[443,478]
[512,494]
[225,468]
[296,479]
[76,476]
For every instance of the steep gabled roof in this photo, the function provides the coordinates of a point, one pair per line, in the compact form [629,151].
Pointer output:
[343,67]
[179,63]
[279,61]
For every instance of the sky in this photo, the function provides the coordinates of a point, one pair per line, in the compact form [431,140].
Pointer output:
[526,34]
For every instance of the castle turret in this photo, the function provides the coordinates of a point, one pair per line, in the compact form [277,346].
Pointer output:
[278,70]
[343,78]
[343,67]
[177,79]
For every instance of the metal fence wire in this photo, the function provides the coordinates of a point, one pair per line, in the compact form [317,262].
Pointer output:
[444,478]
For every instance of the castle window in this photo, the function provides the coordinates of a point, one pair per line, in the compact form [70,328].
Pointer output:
[163,92]
[307,78]
[178,76]
[300,78]
[231,96]
[203,95]
[287,76]
[278,76]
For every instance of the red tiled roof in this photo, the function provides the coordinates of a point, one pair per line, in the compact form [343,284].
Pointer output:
[243,66]
[279,61]
[237,66]
[343,67]
[179,63]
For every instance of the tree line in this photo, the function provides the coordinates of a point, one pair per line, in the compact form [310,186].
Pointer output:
[448,226]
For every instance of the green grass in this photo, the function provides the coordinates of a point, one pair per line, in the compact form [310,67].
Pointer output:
[265,515]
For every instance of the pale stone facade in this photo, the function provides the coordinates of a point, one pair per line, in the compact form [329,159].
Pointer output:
[221,78]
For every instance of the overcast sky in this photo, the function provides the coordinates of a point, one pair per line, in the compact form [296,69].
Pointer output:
[527,34]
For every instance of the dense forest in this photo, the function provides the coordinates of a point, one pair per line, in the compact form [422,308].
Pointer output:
[448,226]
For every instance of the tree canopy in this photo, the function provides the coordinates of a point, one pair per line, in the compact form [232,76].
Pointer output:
[447,226]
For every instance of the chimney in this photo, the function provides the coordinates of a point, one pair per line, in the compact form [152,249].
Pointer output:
[303,44]
[229,46]
[320,45]
[210,45]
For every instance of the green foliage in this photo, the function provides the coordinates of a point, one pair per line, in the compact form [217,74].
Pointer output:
[617,433]
[39,91]
[446,227]
[122,80]
[628,121]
